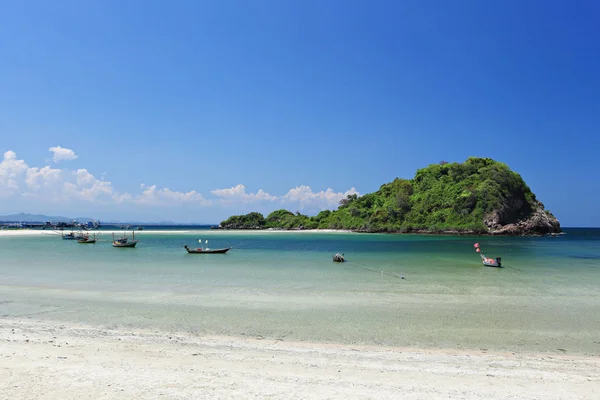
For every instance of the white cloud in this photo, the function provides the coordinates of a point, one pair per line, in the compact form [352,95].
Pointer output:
[46,177]
[84,178]
[85,186]
[301,195]
[153,196]
[62,154]
[238,194]
[11,172]
[323,199]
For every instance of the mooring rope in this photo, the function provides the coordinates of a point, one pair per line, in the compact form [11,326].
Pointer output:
[359,266]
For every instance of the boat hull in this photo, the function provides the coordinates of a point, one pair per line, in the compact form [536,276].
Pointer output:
[88,241]
[490,262]
[210,251]
[128,244]
[492,265]
[338,258]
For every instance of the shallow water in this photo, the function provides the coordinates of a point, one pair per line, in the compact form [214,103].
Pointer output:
[284,285]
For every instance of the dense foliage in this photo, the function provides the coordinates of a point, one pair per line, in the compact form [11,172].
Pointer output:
[442,197]
[253,220]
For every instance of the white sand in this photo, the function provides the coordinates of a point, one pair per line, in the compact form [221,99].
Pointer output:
[33,232]
[26,232]
[53,361]
[205,232]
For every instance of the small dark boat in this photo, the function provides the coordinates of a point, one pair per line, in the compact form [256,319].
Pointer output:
[200,250]
[338,257]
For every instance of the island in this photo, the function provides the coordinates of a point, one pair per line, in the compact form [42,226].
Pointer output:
[478,196]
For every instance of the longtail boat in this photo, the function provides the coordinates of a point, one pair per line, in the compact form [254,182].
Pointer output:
[87,239]
[337,257]
[205,250]
[124,241]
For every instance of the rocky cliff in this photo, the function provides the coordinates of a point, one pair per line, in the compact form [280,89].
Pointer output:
[537,222]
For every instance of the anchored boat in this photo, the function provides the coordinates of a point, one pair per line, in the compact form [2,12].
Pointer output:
[205,249]
[337,257]
[71,236]
[200,250]
[87,239]
[488,262]
[124,241]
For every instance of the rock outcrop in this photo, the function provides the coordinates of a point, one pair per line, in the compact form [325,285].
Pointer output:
[535,222]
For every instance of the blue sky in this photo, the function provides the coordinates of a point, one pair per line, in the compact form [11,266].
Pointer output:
[192,111]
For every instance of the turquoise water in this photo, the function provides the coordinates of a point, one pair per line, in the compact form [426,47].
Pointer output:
[284,285]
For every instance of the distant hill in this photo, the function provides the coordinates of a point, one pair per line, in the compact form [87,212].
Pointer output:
[22,217]
[479,196]
[107,222]
[40,218]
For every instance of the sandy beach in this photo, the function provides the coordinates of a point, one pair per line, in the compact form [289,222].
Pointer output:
[206,232]
[41,360]
[37,232]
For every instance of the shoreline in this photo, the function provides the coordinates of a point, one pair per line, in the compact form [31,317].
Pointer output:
[450,232]
[67,361]
[39,232]
[49,233]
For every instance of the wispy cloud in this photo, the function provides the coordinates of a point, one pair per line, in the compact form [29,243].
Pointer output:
[62,154]
[151,195]
[238,194]
[323,199]
[303,196]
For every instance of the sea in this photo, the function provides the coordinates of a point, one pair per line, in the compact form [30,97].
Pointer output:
[424,291]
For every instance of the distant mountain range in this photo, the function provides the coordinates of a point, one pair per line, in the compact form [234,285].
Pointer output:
[22,217]
[29,218]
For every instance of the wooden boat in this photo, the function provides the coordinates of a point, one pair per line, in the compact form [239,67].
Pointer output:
[69,236]
[337,257]
[124,241]
[490,262]
[72,236]
[205,250]
[87,239]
